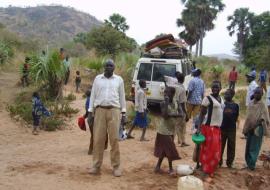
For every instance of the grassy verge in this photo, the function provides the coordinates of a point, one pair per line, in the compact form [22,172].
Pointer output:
[21,109]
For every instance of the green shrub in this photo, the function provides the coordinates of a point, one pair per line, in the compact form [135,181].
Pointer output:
[217,70]
[125,65]
[62,108]
[70,97]
[48,71]
[22,108]
[5,52]
[242,69]
[52,123]
[95,64]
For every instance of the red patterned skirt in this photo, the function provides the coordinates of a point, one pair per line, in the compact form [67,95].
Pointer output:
[210,150]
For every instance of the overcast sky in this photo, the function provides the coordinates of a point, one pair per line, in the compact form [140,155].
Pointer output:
[147,18]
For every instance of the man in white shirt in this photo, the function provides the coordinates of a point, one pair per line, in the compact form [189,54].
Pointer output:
[251,87]
[107,102]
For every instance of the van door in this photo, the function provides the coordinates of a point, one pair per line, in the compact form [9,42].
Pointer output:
[157,86]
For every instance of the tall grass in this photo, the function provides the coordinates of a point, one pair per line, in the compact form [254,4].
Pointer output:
[21,108]
[6,52]
[125,65]
[213,69]
[48,71]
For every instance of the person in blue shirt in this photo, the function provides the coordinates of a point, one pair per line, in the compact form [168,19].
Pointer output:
[228,127]
[38,110]
[196,88]
[262,79]
[253,71]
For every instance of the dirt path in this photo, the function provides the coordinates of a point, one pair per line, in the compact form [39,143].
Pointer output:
[59,160]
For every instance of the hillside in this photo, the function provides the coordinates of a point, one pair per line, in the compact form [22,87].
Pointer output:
[223,56]
[52,24]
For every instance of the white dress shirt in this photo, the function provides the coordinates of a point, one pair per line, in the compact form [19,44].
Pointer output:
[251,87]
[108,92]
[140,101]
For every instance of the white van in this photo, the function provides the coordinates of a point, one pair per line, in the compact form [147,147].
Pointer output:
[153,70]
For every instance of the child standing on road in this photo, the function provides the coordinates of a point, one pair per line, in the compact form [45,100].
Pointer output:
[164,144]
[78,81]
[140,107]
[37,111]
[228,127]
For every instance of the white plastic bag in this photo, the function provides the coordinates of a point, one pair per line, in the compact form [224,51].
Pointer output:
[171,81]
[189,183]
[184,169]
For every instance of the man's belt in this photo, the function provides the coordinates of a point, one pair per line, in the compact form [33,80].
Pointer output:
[106,107]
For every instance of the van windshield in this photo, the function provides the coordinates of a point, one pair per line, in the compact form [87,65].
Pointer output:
[163,69]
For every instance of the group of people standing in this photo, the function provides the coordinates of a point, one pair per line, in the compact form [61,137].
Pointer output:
[212,116]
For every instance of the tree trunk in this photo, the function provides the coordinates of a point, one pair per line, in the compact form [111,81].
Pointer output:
[201,44]
[241,52]
[197,49]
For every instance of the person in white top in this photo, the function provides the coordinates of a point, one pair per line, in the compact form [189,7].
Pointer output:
[251,87]
[107,102]
[211,116]
[140,108]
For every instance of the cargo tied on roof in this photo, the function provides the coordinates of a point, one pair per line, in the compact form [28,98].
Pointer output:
[166,46]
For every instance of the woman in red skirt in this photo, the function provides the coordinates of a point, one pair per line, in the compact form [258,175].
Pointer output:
[211,116]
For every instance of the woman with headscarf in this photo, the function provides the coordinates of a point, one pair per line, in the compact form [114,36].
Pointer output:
[255,127]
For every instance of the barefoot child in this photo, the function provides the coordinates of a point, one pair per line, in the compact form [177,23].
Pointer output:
[37,111]
[140,107]
[164,145]
[228,127]
[78,81]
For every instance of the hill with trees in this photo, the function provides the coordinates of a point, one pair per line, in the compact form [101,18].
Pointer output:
[50,24]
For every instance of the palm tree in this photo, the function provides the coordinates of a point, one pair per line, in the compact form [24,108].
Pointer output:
[190,33]
[206,12]
[241,22]
[118,22]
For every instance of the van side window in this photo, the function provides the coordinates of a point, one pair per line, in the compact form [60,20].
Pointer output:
[188,67]
[145,71]
[163,69]
[184,68]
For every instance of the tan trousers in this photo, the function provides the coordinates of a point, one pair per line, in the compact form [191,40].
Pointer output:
[106,120]
[180,130]
[193,110]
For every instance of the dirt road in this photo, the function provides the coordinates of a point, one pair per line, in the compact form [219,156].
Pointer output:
[59,160]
